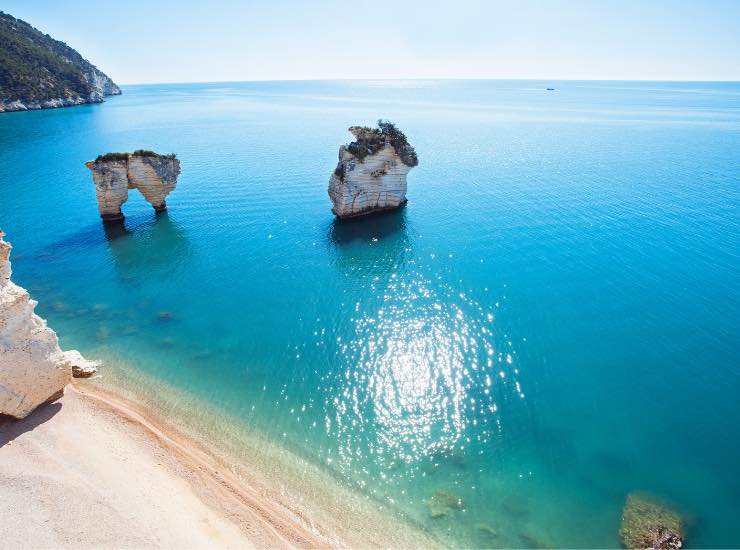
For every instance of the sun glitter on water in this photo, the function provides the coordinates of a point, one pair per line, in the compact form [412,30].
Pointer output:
[418,379]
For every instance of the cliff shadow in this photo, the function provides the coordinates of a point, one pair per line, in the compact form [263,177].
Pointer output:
[11,428]
[375,245]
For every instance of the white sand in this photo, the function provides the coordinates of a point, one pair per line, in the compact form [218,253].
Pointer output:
[96,470]
[83,473]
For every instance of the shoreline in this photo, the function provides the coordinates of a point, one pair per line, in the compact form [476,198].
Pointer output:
[20,106]
[217,485]
[237,505]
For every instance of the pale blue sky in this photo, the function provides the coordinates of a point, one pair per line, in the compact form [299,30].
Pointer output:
[139,41]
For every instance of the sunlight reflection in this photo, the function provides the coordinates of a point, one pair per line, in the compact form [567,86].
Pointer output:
[419,372]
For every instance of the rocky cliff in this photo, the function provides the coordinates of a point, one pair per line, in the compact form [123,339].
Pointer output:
[38,72]
[33,369]
[154,175]
[371,173]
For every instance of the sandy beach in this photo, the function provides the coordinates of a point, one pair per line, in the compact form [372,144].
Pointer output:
[90,470]
[87,471]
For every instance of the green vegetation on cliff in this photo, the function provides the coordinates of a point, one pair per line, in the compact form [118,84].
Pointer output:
[373,140]
[137,153]
[35,68]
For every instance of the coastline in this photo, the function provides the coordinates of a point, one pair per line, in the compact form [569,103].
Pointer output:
[17,105]
[56,103]
[163,486]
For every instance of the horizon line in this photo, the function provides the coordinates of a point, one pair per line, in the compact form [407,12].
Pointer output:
[420,78]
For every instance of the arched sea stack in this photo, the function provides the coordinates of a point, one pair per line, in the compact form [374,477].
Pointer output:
[154,175]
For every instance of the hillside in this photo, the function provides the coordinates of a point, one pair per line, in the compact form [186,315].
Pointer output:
[39,72]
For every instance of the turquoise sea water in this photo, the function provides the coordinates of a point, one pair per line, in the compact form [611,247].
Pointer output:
[551,323]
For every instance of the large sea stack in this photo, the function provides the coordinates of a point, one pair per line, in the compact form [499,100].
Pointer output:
[39,72]
[154,175]
[33,369]
[371,173]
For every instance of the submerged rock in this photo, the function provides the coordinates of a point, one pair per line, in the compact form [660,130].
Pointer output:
[535,542]
[515,505]
[154,175]
[455,457]
[371,173]
[33,369]
[647,523]
[442,503]
[487,531]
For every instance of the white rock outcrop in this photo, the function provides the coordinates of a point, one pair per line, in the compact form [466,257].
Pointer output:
[111,186]
[33,369]
[81,367]
[18,105]
[155,176]
[371,173]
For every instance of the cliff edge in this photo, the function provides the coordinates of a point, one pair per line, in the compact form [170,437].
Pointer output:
[33,369]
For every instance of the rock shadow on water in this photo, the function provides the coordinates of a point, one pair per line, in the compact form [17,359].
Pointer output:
[142,246]
[95,235]
[113,231]
[145,246]
[373,245]
[364,229]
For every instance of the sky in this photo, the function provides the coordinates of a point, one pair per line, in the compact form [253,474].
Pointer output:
[148,41]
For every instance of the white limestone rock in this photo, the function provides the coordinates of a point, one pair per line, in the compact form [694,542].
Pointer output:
[81,367]
[155,176]
[15,105]
[54,103]
[111,186]
[371,173]
[33,369]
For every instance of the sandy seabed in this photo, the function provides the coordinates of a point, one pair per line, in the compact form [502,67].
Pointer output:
[96,470]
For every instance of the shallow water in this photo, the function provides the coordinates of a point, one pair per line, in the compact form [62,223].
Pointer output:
[551,322]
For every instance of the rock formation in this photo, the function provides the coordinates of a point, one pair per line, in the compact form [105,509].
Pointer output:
[81,367]
[647,523]
[154,175]
[111,186]
[33,369]
[442,503]
[371,173]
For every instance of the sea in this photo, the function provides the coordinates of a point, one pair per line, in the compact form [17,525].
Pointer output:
[550,324]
